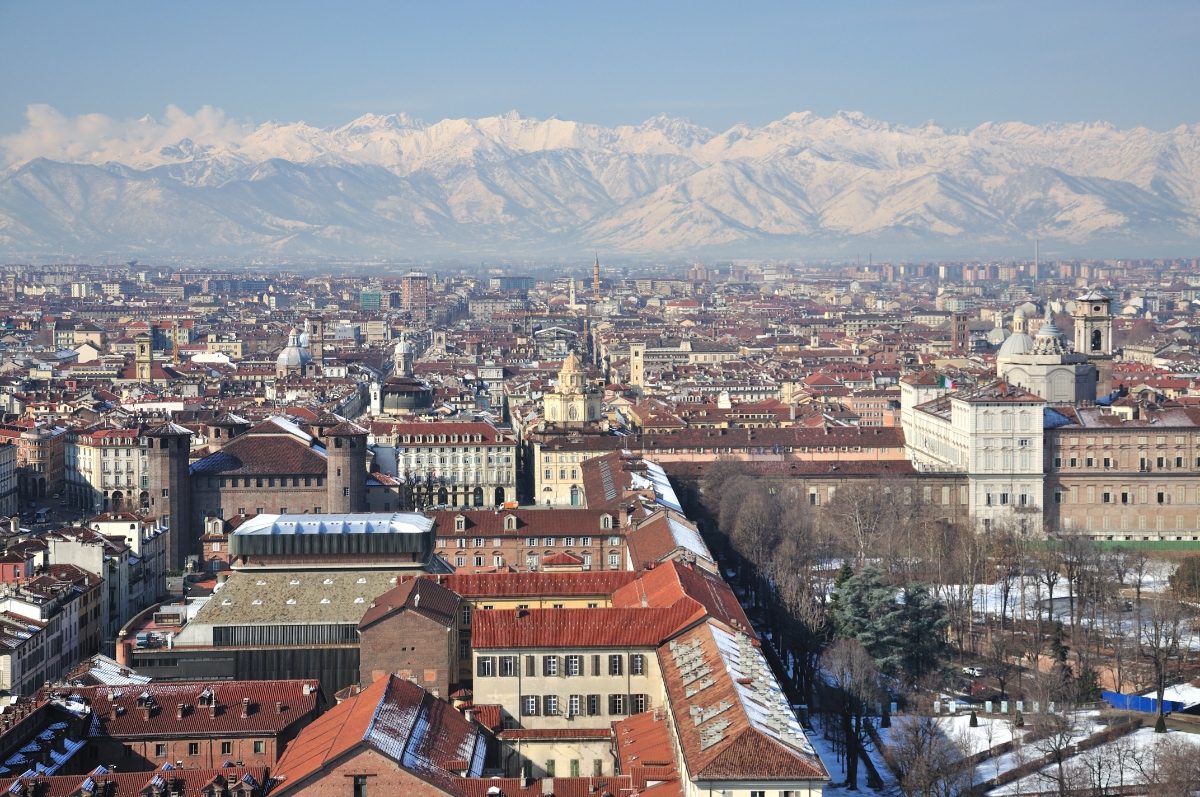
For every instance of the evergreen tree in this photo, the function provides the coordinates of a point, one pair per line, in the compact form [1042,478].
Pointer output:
[905,633]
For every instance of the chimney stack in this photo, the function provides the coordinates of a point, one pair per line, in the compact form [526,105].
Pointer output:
[179,711]
[278,707]
[245,707]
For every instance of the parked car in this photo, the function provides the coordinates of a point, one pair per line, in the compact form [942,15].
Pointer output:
[974,672]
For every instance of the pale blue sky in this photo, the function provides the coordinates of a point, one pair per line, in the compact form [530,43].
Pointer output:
[959,63]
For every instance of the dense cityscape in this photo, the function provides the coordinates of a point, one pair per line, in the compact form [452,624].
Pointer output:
[464,532]
[672,399]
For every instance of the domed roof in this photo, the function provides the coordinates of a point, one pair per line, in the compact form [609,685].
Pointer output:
[293,356]
[1020,313]
[999,333]
[1049,337]
[403,346]
[1015,345]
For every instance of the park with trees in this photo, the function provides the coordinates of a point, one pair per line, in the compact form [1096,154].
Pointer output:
[871,602]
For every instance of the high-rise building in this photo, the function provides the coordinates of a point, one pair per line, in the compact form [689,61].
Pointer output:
[414,294]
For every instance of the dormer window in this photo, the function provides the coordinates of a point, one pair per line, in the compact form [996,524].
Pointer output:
[460,523]
[606,521]
[510,522]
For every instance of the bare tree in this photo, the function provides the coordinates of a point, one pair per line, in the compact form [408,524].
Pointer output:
[930,762]
[1059,733]
[1102,770]
[1171,767]
[1160,637]
[861,514]
[1048,563]
[855,675]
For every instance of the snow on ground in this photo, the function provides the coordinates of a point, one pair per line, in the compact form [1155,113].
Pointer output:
[993,730]
[837,771]
[1116,763]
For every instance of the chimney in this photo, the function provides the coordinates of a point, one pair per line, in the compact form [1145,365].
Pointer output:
[307,689]
[278,707]
[179,711]
[112,712]
[212,707]
[469,714]
[245,707]
[145,709]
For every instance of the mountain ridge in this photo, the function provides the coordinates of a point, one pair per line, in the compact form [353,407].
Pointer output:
[390,184]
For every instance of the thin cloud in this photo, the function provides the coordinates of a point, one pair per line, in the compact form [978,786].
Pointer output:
[96,138]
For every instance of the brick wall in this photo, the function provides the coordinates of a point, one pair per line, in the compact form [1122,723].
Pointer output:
[412,646]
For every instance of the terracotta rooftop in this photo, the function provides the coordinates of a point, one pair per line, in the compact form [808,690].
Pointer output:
[732,719]
[509,629]
[391,717]
[177,782]
[422,595]
[154,709]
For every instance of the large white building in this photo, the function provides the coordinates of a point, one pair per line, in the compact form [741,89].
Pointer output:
[992,435]
[448,463]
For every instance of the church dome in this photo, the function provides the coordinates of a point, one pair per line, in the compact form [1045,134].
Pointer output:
[1049,337]
[294,356]
[1015,345]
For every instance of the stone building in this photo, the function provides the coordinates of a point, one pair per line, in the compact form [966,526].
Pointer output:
[1124,473]
[1043,365]
[276,467]
[574,404]
[448,463]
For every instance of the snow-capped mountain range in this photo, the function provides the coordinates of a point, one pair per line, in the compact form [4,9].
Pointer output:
[393,186]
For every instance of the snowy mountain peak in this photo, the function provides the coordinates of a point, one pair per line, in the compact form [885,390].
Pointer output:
[387,183]
[372,121]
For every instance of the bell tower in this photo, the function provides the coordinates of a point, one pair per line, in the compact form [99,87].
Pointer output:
[143,358]
[1093,334]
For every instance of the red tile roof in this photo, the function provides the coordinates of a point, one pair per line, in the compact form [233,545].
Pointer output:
[422,595]
[646,753]
[735,739]
[670,583]
[508,629]
[263,717]
[175,781]
[267,449]
[386,716]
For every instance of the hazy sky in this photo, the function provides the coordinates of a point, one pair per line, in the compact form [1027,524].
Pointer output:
[959,63]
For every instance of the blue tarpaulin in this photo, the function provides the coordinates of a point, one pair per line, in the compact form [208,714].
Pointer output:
[1146,705]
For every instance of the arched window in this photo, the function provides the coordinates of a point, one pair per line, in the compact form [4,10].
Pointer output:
[576,495]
